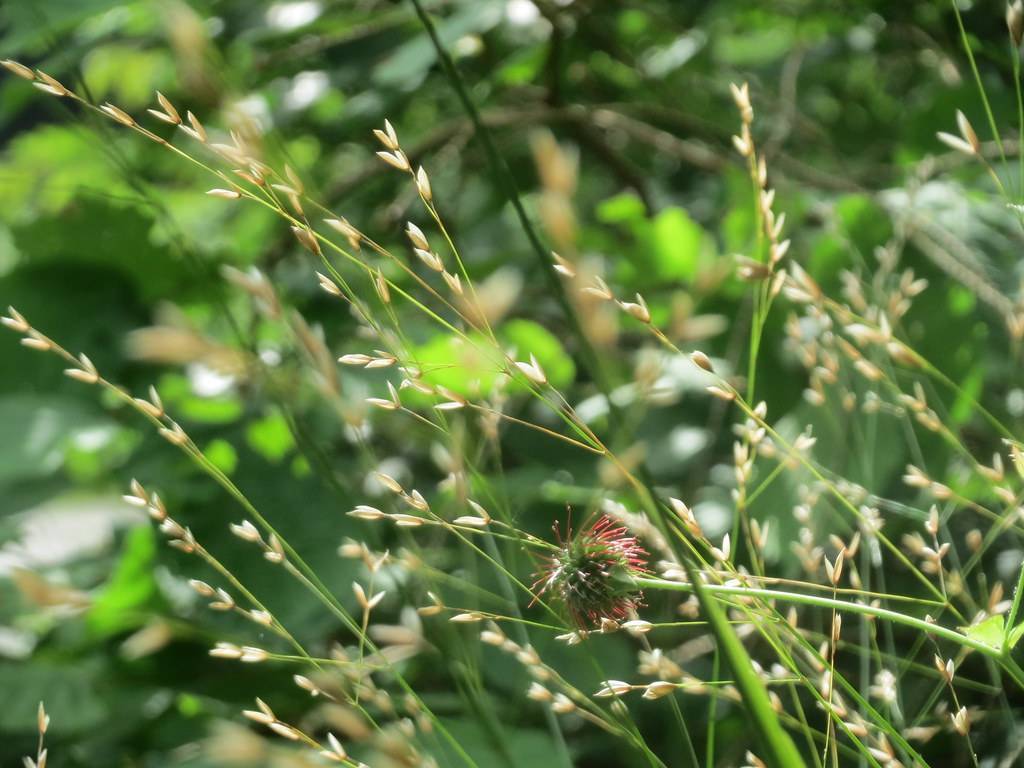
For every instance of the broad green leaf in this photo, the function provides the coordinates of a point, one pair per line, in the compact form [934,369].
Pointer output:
[677,244]
[45,169]
[127,75]
[670,247]
[1015,635]
[466,367]
[754,47]
[471,367]
[100,233]
[409,64]
[222,454]
[530,338]
[211,410]
[177,394]
[131,588]
[270,437]
[970,392]
[624,208]
[73,692]
[961,301]
[990,632]
[39,428]
[30,24]
[531,747]
[866,223]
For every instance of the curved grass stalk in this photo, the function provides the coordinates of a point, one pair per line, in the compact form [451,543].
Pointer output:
[1001,657]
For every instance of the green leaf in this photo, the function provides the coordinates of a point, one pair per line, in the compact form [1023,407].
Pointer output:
[222,454]
[176,391]
[471,367]
[117,237]
[43,425]
[461,366]
[531,747]
[127,74]
[752,48]
[530,338]
[27,24]
[969,393]
[51,295]
[864,221]
[990,632]
[47,167]
[270,437]
[624,208]
[1015,635]
[779,748]
[91,454]
[522,67]
[676,244]
[961,301]
[74,695]
[410,62]
[211,410]
[131,588]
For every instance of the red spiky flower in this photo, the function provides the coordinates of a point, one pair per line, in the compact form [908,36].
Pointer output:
[591,573]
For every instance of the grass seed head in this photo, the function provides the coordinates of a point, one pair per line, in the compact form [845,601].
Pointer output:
[1015,21]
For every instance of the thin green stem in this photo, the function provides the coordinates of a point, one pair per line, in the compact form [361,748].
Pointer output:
[504,176]
[977,80]
[1018,594]
[1015,54]
[844,606]
[709,747]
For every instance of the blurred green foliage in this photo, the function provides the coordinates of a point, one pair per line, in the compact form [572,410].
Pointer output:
[100,229]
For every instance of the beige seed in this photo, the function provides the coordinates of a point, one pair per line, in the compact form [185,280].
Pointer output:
[702,361]
[306,238]
[258,717]
[328,285]
[197,128]
[720,393]
[15,321]
[51,84]
[658,689]
[613,688]
[423,185]
[168,107]
[79,375]
[117,114]
[466,618]
[396,159]
[20,70]
[1015,21]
